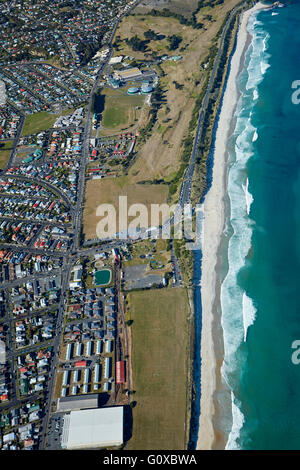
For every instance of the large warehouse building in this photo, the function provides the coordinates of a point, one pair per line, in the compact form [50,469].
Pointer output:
[129,74]
[90,429]
[77,403]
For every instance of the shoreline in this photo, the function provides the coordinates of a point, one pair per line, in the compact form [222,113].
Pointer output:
[213,419]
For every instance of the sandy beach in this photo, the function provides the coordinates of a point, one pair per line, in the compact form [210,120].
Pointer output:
[210,435]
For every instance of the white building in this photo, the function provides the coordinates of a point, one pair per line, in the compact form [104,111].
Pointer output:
[88,429]
[116,60]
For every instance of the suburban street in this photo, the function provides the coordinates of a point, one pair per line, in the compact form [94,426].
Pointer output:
[67,258]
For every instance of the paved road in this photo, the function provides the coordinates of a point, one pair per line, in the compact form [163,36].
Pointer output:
[33,277]
[17,138]
[185,191]
[68,263]
[40,182]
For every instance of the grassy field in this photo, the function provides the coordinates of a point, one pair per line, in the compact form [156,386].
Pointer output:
[159,361]
[39,122]
[107,191]
[183,7]
[120,109]
[4,156]
[6,145]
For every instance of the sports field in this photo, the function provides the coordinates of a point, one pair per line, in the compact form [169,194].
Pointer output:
[160,339]
[120,109]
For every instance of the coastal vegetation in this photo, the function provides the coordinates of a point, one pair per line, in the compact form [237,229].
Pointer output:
[166,142]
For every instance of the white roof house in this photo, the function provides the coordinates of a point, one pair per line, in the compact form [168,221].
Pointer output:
[116,60]
[87,429]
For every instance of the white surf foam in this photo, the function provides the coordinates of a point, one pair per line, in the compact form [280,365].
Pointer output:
[255,136]
[249,314]
[238,311]
[248,196]
[259,60]
[238,420]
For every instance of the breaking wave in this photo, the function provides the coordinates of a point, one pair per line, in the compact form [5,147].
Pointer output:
[238,310]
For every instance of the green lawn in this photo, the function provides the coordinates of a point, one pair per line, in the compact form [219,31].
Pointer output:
[6,145]
[38,122]
[114,118]
[160,338]
[120,108]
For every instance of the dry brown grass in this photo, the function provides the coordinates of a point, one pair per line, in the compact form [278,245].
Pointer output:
[160,156]
[183,7]
[159,362]
[107,191]
[4,157]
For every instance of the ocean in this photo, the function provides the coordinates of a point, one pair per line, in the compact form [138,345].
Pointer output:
[260,292]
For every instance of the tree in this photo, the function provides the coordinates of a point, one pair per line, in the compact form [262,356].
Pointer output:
[151,35]
[174,42]
[137,44]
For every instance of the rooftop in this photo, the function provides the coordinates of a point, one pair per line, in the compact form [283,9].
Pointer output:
[102,427]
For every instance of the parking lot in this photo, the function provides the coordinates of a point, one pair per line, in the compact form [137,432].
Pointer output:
[55,431]
[136,277]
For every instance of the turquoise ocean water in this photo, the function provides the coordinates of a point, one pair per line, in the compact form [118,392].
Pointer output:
[260,294]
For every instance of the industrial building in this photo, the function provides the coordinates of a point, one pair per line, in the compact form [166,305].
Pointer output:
[120,372]
[108,346]
[77,403]
[77,273]
[79,349]
[97,375]
[116,60]
[76,375]
[66,377]
[107,368]
[86,376]
[99,347]
[132,91]
[90,429]
[128,74]
[88,348]
[69,351]
[146,89]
